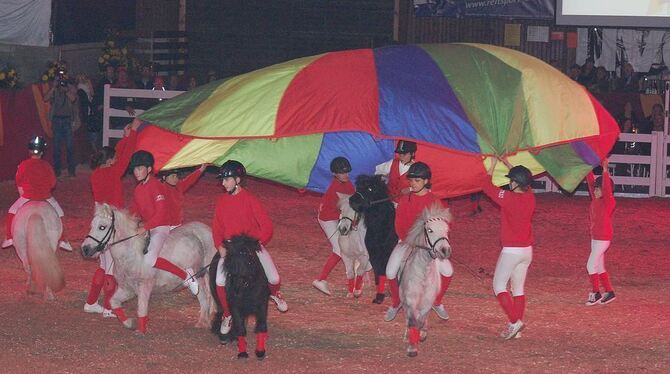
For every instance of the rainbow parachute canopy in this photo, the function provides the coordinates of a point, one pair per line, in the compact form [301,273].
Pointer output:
[462,103]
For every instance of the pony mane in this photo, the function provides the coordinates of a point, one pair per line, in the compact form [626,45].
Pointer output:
[374,182]
[435,211]
[126,221]
[342,200]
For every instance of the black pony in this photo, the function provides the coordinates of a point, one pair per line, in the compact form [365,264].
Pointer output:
[372,201]
[247,292]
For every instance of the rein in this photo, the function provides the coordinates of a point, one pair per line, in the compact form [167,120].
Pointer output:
[431,245]
[375,202]
[354,224]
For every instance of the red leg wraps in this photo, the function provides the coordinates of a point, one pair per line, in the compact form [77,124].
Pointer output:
[605,280]
[359,283]
[120,314]
[414,336]
[595,282]
[142,324]
[274,288]
[110,288]
[96,285]
[395,292]
[261,337]
[351,284]
[241,344]
[10,219]
[333,259]
[444,286]
[221,293]
[166,265]
[507,305]
[380,283]
[519,306]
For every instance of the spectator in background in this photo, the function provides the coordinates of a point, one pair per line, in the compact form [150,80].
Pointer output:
[658,122]
[628,120]
[173,83]
[574,72]
[99,95]
[86,110]
[123,81]
[588,73]
[655,109]
[192,83]
[62,95]
[211,75]
[629,80]
[601,83]
[146,81]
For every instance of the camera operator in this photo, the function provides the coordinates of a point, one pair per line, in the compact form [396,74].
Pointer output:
[62,95]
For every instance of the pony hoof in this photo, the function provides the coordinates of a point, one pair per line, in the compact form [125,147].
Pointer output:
[412,352]
[379,299]
[350,295]
[260,355]
[358,293]
[242,355]
[423,335]
[130,323]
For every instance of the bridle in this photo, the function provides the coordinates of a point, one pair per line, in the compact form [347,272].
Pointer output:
[109,234]
[354,223]
[431,246]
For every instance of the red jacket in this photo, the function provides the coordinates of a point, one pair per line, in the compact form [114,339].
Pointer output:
[409,209]
[175,196]
[602,209]
[36,177]
[106,181]
[240,214]
[151,204]
[516,214]
[328,210]
[396,182]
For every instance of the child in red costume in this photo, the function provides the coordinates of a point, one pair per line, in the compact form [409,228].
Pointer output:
[175,189]
[150,203]
[109,164]
[329,216]
[239,212]
[394,170]
[517,206]
[35,179]
[409,209]
[602,209]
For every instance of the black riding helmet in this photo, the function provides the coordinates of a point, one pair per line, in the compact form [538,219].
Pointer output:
[340,165]
[419,170]
[405,146]
[232,168]
[37,145]
[521,175]
[142,158]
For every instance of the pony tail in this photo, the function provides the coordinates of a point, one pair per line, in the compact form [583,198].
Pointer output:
[101,156]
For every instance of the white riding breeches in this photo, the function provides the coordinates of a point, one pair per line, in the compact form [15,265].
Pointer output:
[22,200]
[266,262]
[512,267]
[393,266]
[596,262]
[158,235]
[107,262]
[330,229]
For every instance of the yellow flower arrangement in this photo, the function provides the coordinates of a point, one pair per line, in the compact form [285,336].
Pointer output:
[116,55]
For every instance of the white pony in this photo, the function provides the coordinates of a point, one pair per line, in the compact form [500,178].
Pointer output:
[36,230]
[187,246]
[427,241]
[351,229]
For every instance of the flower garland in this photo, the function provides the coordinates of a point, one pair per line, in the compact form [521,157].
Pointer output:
[113,54]
[9,78]
[52,69]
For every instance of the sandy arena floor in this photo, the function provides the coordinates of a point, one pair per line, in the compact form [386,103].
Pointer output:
[322,334]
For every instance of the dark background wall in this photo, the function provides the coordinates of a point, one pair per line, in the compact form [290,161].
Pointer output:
[237,36]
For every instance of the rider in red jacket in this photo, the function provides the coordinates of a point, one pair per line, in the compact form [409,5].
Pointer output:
[409,209]
[394,170]
[238,212]
[175,189]
[35,179]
